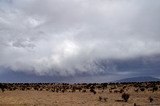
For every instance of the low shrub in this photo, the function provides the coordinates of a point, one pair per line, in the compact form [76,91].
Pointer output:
[125,97]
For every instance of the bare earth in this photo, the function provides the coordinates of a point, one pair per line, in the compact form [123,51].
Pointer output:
[48,98]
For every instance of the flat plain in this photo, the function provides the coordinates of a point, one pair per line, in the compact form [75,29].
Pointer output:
[139,94]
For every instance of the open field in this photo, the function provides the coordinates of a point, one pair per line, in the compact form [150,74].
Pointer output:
[140,94]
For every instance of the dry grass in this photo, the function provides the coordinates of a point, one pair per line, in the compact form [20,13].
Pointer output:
[78,98]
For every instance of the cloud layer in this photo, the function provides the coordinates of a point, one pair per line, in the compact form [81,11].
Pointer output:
[62,38]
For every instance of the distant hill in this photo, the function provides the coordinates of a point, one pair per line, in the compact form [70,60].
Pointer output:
[139,79]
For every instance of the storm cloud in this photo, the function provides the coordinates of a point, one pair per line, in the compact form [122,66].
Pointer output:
[70,37]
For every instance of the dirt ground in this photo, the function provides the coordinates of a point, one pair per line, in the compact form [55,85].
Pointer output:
[48,98]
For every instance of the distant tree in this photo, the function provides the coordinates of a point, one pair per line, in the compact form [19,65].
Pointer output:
[84,90]
[104,85]
[105,99]
[142,89]
[92,90]
[2,87]
[73,89]
[125,97]
[63,90]
[121,91]
[100,98]
[150,99]
[155,88]
[135,104]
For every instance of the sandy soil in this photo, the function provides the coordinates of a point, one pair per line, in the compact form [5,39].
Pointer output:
[48,98]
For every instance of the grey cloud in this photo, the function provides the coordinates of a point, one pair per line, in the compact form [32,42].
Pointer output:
[23,43]
[57,37]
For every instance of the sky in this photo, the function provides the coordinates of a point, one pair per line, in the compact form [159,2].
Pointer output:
[78,40]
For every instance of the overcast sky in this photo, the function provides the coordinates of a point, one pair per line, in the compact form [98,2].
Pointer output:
[88,40]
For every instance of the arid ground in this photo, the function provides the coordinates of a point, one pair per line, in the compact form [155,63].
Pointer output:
[141,94]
